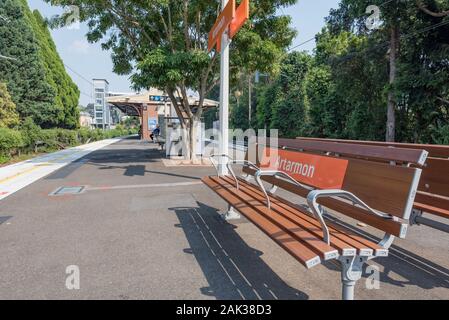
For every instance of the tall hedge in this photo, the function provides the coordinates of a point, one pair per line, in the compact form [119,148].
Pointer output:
[36,79]
[25,76]
[67,92]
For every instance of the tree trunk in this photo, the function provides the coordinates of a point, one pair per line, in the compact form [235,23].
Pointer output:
[192,139]
[391,108]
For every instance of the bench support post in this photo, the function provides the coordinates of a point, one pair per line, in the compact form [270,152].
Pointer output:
[232,214]
[351,272]
[417,219]
[348,290]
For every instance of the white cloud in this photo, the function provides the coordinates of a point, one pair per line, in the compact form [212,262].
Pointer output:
[79,46]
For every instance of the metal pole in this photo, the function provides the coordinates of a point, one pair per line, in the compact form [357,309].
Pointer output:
[249,101]
[432,224]
[348,290]
[224,99]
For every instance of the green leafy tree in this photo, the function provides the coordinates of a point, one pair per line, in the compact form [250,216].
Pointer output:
[267,97]
[67,92]
[163,44]
[345,89]
[288,111]
[36,77]
[402,28]
[25,75]
[8,115]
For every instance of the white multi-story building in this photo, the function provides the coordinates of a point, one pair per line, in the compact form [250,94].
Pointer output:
[105,116]
[102,112]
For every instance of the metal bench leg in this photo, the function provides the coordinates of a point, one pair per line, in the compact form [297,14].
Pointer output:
[418,219]
[351,272]
[232,214]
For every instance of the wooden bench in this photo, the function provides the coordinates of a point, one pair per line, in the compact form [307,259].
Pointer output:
[378,194]
[432,198]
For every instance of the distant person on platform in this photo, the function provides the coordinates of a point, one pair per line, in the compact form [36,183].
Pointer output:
[156,132]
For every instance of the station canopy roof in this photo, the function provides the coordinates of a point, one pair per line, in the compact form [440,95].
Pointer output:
[132,104]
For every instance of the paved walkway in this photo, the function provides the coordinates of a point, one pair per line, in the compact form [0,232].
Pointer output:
[140,230]
[19,175]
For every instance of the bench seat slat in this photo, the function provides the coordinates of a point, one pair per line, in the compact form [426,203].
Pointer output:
[298,250]
[298,224]
[342,238]
[297,232]
[432,200]
[300,218]
[432,210]
[342,234]
[311,234]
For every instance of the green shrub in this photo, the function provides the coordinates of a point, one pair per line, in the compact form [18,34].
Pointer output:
[97,135]
[441,135]
[67,138]
[84,135]
[11,141]
[50,139]
[31,133]
[14,141]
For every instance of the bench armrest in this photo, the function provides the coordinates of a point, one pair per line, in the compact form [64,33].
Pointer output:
[229,166]
[314,195]
[275,173]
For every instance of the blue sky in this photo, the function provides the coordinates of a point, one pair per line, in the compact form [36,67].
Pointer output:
[90,61]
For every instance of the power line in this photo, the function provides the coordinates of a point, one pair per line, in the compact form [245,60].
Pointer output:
[82,77]
[301,44]
[87,95]
[79,75]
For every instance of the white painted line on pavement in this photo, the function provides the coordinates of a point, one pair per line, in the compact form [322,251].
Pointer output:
[139,186]
[19,175]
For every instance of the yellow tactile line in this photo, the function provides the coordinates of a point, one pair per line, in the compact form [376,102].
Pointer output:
[35,167]
[18,174]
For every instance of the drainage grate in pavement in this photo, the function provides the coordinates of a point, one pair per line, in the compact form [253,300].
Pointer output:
[62,191]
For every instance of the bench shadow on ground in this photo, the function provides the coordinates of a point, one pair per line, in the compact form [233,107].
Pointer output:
[415,270]
[233,270]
